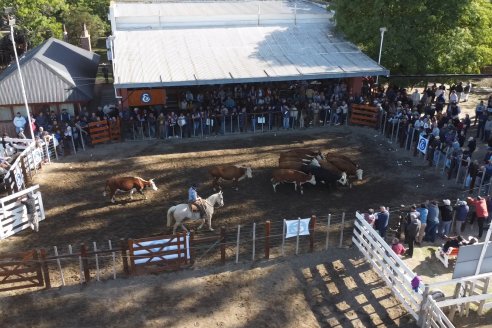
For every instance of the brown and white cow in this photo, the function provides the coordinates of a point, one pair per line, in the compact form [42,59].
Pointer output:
[298,178]
[235,173]
[127,184]
[346,165]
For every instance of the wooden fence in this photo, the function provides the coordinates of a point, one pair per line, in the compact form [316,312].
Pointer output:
[364,115]
[23,270]
[13,215]
[104,131]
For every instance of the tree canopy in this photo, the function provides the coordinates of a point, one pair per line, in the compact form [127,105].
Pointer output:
[41,19]
[422,36]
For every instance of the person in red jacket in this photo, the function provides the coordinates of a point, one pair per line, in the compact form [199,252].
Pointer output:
[481,211]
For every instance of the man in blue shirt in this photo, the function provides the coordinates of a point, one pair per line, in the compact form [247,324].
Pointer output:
[194,199]
[382,219]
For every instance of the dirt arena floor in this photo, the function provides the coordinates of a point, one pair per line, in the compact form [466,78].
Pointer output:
[335,289]
[77,212]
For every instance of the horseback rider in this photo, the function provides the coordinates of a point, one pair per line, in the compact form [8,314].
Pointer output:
[194,199]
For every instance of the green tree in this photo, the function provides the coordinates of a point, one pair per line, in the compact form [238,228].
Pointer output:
[74,20]
[96,7]
[423,36]
[38,19]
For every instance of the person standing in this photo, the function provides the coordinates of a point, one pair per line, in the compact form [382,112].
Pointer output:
[382,219]
[32,216]
[461,209]
[423,211]
[481,212]
[432,222]
[446,218]
[412,229]
[19,122]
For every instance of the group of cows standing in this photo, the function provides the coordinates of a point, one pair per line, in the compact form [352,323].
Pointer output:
[300,166]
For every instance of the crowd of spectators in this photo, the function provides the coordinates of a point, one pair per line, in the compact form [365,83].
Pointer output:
[243,107]
[432,221]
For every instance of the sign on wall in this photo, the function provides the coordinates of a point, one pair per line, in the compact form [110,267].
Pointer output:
[146,97]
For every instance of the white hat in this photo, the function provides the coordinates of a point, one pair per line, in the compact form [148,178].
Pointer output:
[446,202]
[470,139]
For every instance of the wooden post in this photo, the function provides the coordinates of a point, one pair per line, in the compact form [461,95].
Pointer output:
[237,242]
[59,266]
[312,226]
[192,252]
[223,244]
[283,237]
[97,260]
[328,233]
[267,240]
[46,272]
[341,230]
[124,257]
[113,254]
[254,242]
[85,262]
[39,267]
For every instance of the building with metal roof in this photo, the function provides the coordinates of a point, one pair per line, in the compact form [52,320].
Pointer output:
[56,75]
[167,44]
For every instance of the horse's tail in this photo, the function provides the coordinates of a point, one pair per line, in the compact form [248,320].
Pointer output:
[106,188]
[170,213]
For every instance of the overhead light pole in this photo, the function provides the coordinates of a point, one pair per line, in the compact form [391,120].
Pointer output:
[11,24]
[382,30]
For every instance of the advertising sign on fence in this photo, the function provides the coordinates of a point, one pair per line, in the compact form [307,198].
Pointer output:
[295,226]
[422,145]
[19,177]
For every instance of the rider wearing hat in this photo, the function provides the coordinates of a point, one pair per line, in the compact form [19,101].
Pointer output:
[194,199]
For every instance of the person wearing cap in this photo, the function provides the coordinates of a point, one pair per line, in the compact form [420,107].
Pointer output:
[461,209]
[481,212]
[194,199]
[446,211]
[397,247]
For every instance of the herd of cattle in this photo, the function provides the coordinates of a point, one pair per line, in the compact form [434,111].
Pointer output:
[300,166]
[297,166]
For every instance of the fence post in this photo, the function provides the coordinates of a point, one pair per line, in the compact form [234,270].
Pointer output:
[39,267]
[397,132]
[445,160]
[312,226]
[297,237]
[481,183]
[384,125]
[341,230]
[85,262]
[59,266]
[223,244]
[97,260]
[283,237]
[237,242]
[124,257]
[328,232]
[254,241]
[460,158]
[47,151]
[267,240]
[44,265]
[408,135]
[113,254]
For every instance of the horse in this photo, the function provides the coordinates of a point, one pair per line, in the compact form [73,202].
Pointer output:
[181,212]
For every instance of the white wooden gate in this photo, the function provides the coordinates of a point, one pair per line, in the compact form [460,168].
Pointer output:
[13,215]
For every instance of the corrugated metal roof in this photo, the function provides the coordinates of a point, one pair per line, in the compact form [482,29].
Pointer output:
[216,55]
[53,72]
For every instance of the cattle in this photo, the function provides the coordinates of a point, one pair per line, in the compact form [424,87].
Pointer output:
[298,162]
[235,173]
[298,178]
[327,176]
[329,156]
[127,184]
[346,165]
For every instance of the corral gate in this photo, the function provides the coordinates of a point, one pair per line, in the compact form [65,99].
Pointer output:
[159,253]
[21,270]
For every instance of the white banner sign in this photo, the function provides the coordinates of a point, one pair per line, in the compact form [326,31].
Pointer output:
[422,145]
[19,177]
[292,226]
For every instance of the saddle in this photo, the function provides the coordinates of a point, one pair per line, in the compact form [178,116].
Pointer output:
[193,207]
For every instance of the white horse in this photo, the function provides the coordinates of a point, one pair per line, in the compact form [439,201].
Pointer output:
[182,212]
